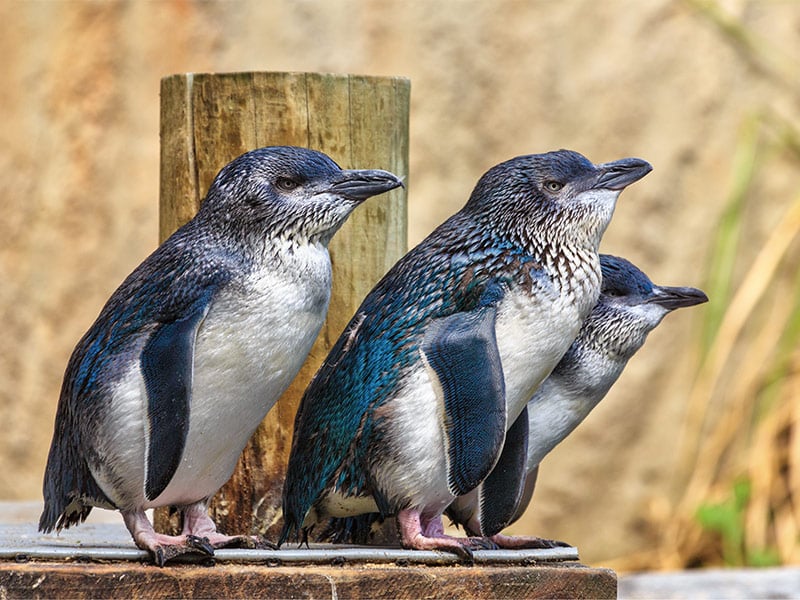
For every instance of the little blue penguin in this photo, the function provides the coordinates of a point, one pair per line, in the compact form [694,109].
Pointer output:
[410,408]
[189,354]
[630,306]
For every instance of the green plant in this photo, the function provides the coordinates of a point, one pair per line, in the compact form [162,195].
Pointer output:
[727,519]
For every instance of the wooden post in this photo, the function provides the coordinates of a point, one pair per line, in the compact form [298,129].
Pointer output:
[361,122]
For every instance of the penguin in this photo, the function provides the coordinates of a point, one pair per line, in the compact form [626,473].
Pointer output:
[192,350]
[411,407]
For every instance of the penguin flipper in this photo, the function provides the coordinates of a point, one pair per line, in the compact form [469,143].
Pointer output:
[503,491]
[461,350]
[167,364]
[527,492]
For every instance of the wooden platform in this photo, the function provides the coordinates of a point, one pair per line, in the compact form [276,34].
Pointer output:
[59,580]
[98,560]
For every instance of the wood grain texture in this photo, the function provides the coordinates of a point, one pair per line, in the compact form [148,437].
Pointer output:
[360,122]
[83,581]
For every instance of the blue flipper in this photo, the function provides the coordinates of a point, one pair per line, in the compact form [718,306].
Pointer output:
[462,351]
[503,490]
[167,364]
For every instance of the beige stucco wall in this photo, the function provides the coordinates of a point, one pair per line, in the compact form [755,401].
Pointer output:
[490,80]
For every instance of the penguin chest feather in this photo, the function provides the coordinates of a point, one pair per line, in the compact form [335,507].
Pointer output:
[249,348]
[532,336]
[416,468]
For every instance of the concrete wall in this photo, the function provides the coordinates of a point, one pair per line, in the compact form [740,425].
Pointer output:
[490,80]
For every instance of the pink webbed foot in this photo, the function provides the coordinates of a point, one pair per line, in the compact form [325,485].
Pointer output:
[196,522]
[435,528]
[163,547]
[428,534]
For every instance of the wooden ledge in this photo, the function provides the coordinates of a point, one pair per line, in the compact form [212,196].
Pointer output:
[136,580]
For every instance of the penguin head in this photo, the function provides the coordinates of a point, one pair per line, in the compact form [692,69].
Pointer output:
[556,192]
[291,191]
[630,305]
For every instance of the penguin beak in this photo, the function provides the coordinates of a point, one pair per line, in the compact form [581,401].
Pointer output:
[620,174]
[677,297]
[363,184]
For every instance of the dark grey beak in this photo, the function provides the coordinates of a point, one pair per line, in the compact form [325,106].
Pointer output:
[620,174]
[363,184]
[677,297]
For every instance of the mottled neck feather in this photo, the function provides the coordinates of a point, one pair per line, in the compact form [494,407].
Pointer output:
[257,236]
[613,333]
[563,242]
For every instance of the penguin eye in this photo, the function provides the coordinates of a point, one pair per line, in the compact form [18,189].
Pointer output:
[286,184]
[553,186]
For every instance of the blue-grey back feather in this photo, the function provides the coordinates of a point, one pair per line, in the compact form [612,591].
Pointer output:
[100,356]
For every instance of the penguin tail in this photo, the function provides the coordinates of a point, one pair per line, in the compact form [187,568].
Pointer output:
[69,490]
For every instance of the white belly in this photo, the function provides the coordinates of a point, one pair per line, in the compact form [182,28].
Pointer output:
[416,469]
[532,337]
[552,414]
[248,349]
[565,399]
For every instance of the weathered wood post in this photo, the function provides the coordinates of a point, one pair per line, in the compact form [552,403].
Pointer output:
[361,122]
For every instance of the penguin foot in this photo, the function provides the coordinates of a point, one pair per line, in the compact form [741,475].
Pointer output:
[516,542]
[197,522]
[447,544]
[412,536]
[163,548]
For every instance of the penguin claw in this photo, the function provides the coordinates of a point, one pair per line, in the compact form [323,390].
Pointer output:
[463,552]
[158,556]
[482,543]
[202,544]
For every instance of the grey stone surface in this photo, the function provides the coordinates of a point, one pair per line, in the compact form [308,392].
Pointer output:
[716,584]
[104,538]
